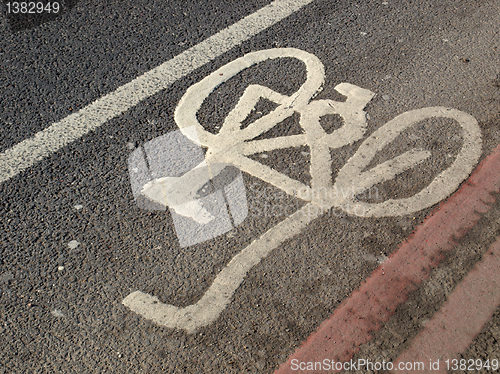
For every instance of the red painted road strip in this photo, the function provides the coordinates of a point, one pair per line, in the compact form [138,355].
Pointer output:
[368,308]
[460,319]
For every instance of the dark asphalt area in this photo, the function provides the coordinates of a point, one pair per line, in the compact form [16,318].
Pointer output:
[60,304]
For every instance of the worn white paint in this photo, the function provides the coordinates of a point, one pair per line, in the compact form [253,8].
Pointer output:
[232,144]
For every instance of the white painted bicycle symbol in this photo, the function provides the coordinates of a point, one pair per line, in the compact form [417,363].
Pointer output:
[233,144]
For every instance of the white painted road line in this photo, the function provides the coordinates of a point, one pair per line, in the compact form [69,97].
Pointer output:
[28,152]
[220,293]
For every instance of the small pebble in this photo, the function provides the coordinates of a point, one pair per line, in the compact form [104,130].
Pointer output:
[60,268]
[57,313]
[263,155]
[78,207]
[73,244]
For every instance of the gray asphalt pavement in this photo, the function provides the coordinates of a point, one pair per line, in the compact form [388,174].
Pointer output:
[74,244]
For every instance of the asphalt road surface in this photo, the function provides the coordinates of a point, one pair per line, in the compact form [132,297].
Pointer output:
[90,281]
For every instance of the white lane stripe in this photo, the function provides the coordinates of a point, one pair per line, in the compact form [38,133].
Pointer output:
[28,152]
